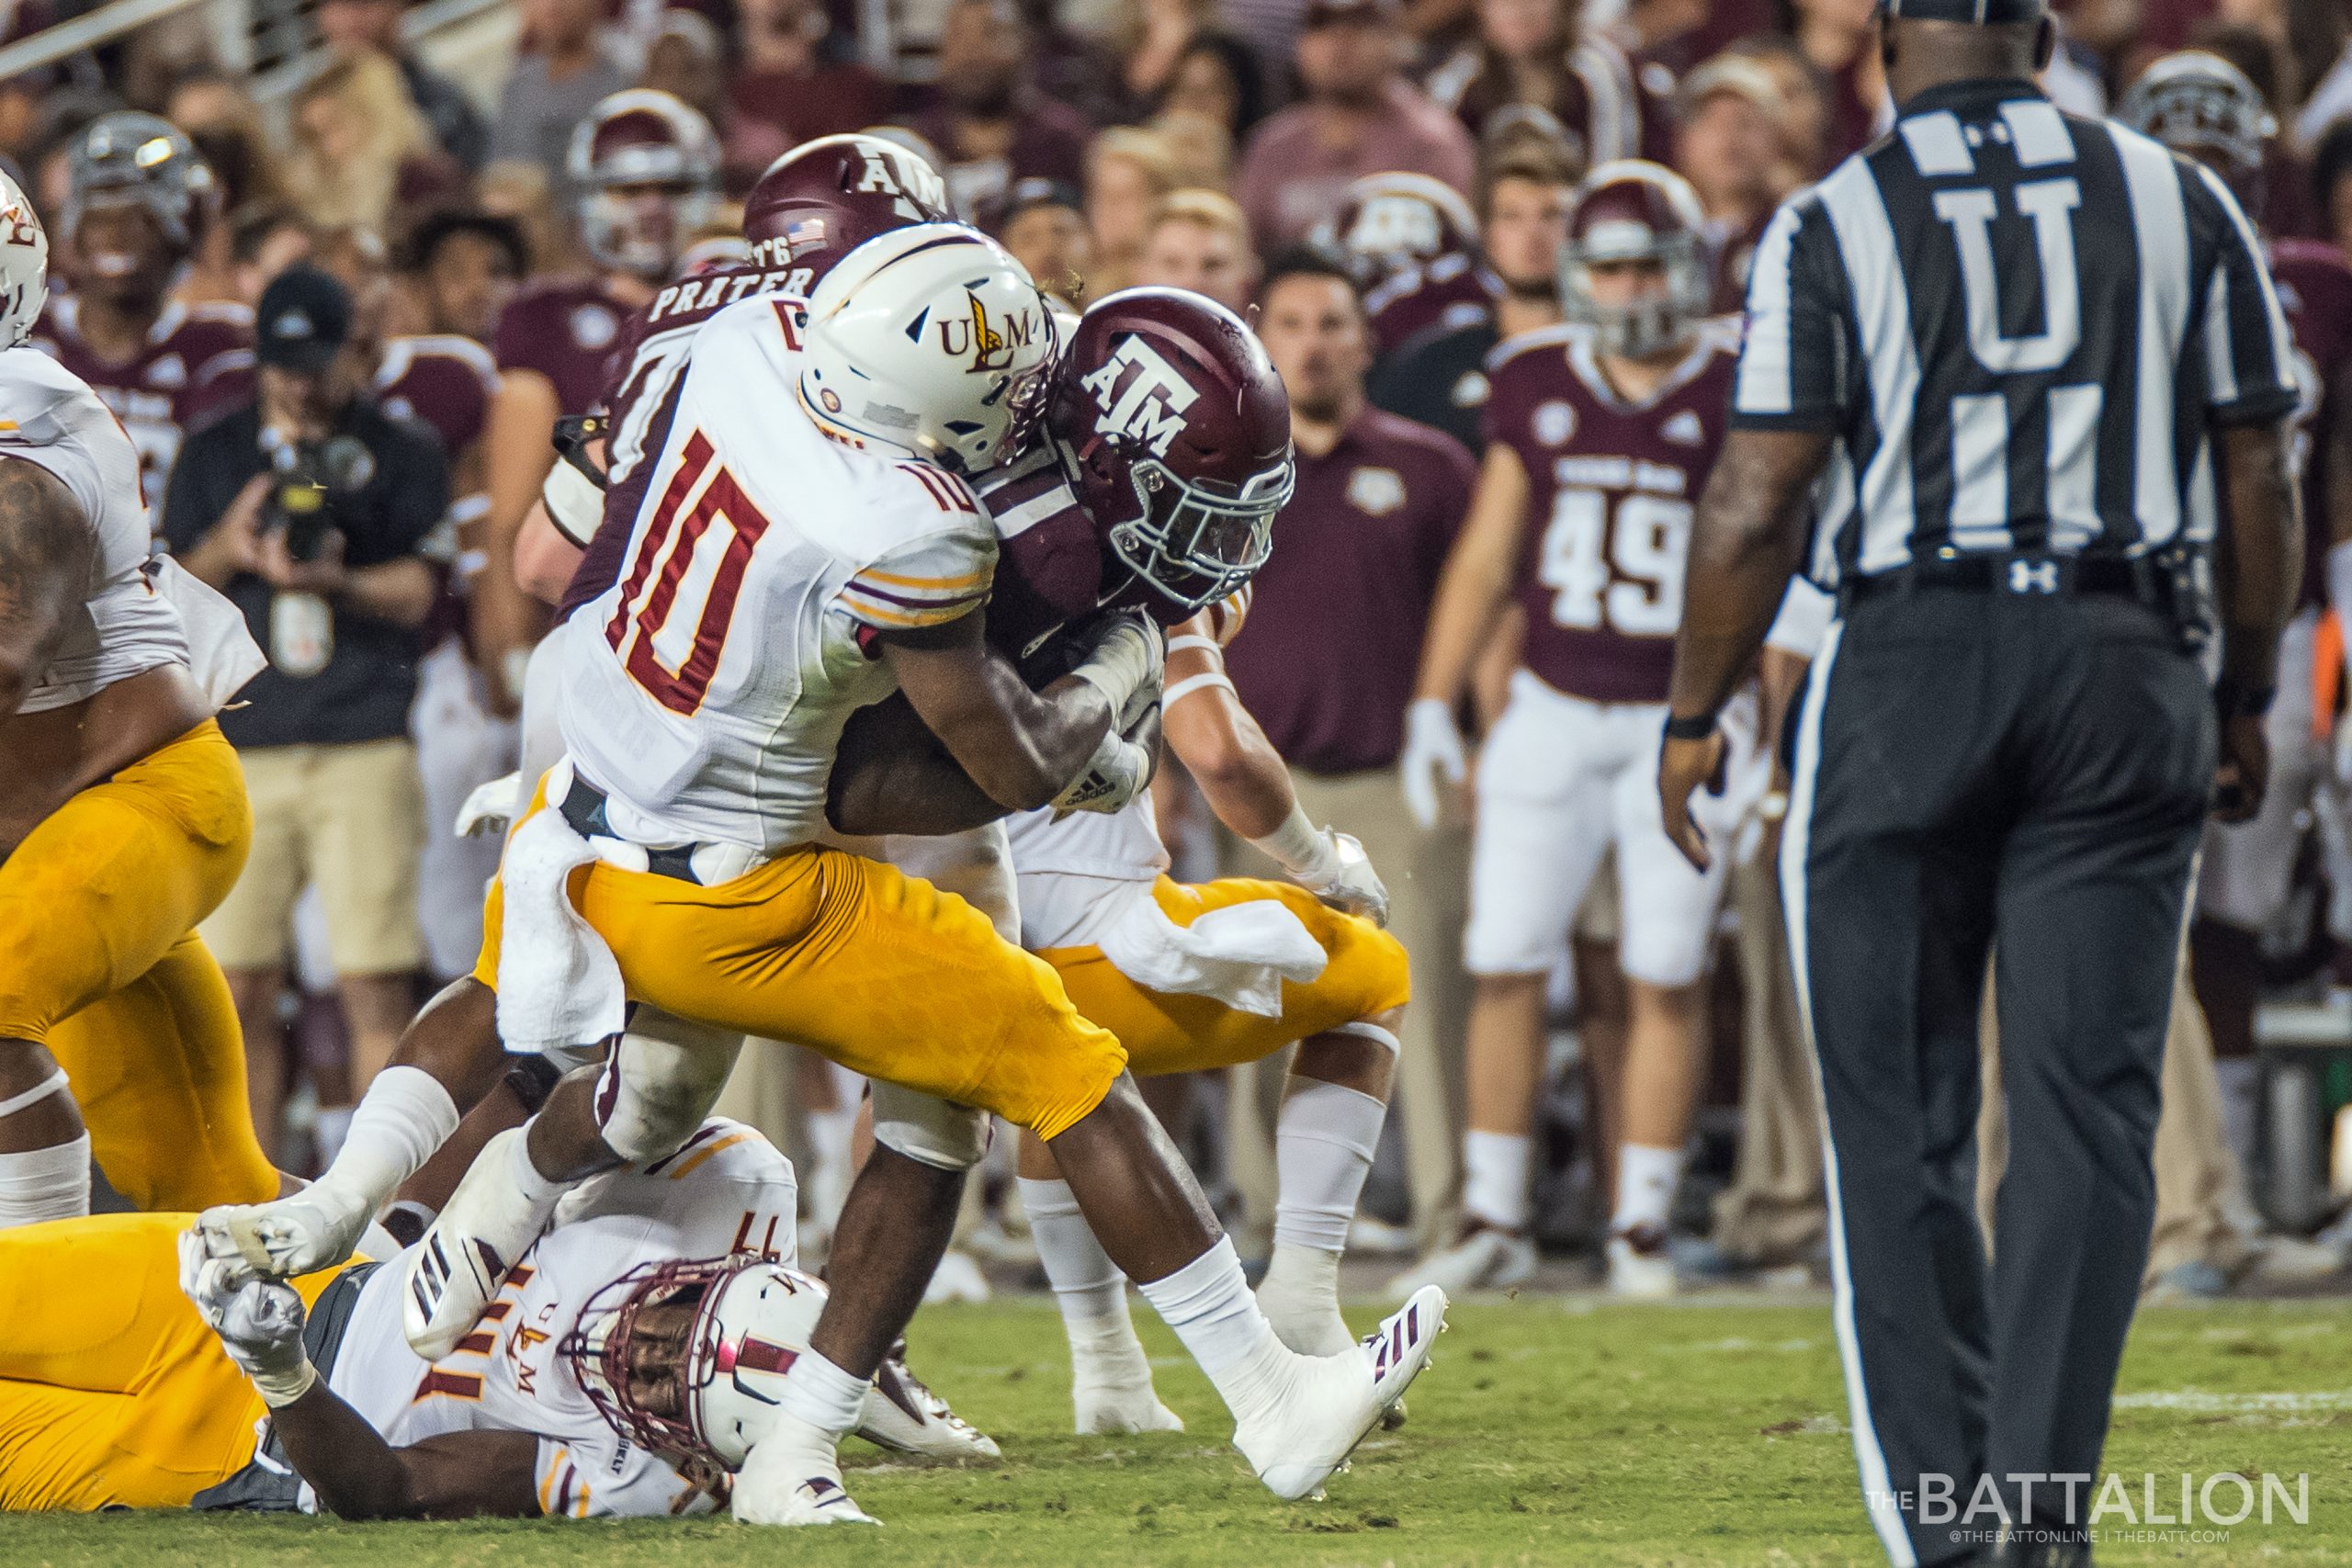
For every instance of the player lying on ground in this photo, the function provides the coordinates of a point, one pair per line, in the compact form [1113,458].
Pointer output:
[797,941]
[123,818]
[614,1374]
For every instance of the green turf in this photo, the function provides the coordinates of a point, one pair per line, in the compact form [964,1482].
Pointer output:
[1696,1435]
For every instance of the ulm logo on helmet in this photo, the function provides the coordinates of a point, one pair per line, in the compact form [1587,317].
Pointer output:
[1149,408]
[990,349]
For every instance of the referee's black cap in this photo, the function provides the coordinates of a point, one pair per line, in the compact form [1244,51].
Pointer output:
[1982,13]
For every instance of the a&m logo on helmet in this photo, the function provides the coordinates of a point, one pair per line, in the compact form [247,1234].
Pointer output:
[917,190]
[1142,397]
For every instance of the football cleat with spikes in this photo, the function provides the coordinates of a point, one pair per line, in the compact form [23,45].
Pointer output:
[465,1254]
[1336,1401]
[791,1476]
[907,1417]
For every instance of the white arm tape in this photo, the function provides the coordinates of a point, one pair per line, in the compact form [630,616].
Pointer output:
[1196,643]
[1191,683]
[53,1084]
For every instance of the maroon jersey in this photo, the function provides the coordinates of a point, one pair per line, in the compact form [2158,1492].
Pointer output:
[1731,255]
[566,332]
[641,398]
[2315,291]
[1326,661]
[1611,487]
[1449,292]
[441,380]
[198,360]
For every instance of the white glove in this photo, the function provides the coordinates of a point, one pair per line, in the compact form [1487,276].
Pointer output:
[316,1228]
[1127,665]
[1432,750]
[1114,776]
[491,807]
[259,1322]
[1329,863]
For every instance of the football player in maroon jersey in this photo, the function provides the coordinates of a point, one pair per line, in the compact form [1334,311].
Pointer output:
[138,199]
[646,167]
[2203,107]
[1600,433]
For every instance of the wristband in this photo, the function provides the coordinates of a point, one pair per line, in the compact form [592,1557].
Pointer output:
[279,1389]
[1696,727]
[1300,848]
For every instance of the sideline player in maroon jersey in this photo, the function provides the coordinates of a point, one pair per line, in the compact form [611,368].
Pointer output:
[1414,243]
[1600,435]
[2203,107]
[138,199]
[646,166]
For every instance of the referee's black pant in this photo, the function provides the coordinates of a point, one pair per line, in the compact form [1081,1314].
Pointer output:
[1979,770]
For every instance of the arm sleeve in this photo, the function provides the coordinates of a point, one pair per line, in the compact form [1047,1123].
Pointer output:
[2249,358]
[1793,369]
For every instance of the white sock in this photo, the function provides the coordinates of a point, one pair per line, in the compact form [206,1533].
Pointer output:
[1647,1177]
[1301,1297]
[538,1190]
[332,1128]
[1324,1141]
[1208,1304]
[51,1183]
[1089,1288]
[1495,1171]
[400,1123]
[822,1394]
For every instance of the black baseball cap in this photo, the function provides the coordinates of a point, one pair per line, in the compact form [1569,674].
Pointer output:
[1982,13]
[303,321]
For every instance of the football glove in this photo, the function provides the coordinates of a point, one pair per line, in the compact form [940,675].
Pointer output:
[1432,751]
[259,1322]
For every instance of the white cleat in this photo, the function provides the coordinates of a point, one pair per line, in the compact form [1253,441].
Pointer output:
[793,1477]
[279,1240]
[1106,1410]
[1337,1400]
[1484,1260]
[1639,1274]
[465,1254]
[903,1416]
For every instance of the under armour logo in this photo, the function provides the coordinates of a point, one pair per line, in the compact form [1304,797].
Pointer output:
[1150,407]
[2033,577]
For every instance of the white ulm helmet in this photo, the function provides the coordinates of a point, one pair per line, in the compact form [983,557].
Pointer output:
[751,1318]
[929,342]
[23,265]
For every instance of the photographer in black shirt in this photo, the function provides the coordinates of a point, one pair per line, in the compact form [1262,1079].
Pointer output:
[317,512]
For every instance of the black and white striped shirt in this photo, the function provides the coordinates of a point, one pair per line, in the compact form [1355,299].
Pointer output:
[2020,325]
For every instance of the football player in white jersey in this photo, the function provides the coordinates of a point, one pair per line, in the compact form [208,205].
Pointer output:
[608,1377]
[806,548]
[123,818]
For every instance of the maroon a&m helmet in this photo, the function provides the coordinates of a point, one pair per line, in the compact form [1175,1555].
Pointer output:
[1632,212]
[826,197]
[1178,433]
[1388,223]
[645,167]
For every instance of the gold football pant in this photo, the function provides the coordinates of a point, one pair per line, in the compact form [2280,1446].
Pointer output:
[1165,1032]
[878,970]
[113,1393]
[99,961]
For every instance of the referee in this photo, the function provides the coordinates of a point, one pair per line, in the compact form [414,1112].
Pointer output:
[2038,367]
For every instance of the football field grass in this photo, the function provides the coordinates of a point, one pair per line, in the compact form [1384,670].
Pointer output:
[1712,1433]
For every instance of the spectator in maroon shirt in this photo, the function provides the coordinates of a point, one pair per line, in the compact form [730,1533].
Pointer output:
[1361,116]
[1327,657]
[794,85]
[1539,52]
[990,126]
